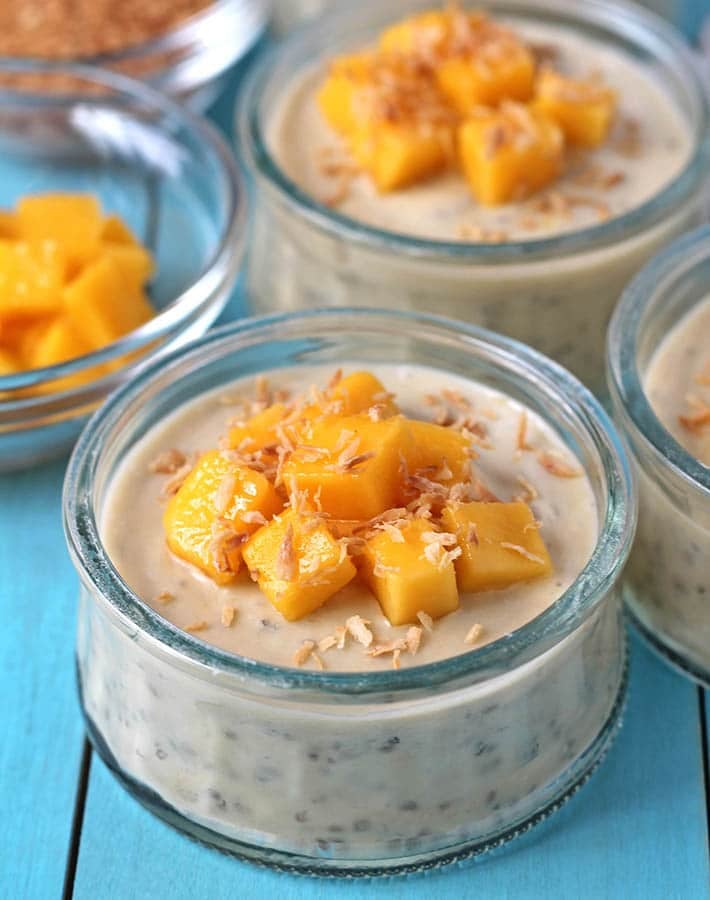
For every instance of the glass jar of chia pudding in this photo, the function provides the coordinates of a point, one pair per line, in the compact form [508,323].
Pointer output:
[550,278]
[659,377]
[357,772]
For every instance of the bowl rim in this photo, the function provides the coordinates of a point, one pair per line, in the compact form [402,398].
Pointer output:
[188,303]
[563,617]
[655,280]
[625,18]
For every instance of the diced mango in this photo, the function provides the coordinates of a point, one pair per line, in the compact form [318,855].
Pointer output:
[259,431]
[134,263]
[509,153]
[485,78]
[398,155]
[115,231]
[340,94]
[205,520]
[500,544]
[72,220]
[8,224]
[410,575]
[347,464]
[358,391]
[583,108]
[31,278]
[296,564]
[425,33]
[437,453]
[103,305]
[56,343]
[9,364]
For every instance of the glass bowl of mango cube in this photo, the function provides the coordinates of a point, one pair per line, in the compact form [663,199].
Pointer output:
[121,228]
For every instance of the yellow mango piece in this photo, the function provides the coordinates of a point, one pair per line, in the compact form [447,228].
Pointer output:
[486,78]
[509,153]
[296,565]
[8,224]
[72,220]
[500,544]
[9,363]
[32,276]
[410,575]
[103,305]
[348,464]
[340,93]
[357,392]
[583,108]
[204,521]
[259,431]
[440,454]
[56,343]
[426,33]
[115,231]
[397,156]
[134,262]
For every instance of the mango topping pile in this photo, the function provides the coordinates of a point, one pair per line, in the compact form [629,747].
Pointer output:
[452,88]
[71,281]
[308,494]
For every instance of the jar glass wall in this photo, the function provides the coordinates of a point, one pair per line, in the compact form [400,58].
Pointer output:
[351,772]
[554,293]
[668,578]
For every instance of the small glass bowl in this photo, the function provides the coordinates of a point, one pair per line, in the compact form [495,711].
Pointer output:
[168,174]
[667,581]
[351,773]
[556,294]
[190,61]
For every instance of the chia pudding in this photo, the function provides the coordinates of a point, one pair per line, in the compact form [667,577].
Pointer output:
[431,246]
[359,766]
[668,424]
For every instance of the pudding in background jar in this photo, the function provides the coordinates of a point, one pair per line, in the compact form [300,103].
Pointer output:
[272,716]
[659,355]
[544,255]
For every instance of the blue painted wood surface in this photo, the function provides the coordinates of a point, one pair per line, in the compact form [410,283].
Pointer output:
[637,830]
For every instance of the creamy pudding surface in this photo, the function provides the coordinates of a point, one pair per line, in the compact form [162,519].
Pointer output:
[648,146]
[678,382]
[519,457]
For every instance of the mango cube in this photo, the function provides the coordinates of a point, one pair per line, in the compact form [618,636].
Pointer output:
[358,391]
[72,220]
[133,261]
[9,364]
[32,276]
[440,454]
[583,108]
[410,574]
[297,563]
[102,303]
[218,505]
[424,33]
[56,343]
[500,544]
[341,92]
[115,231]
[8,224]
[347,464]
[258,432]
[489,75]
[509,153]
[399,155]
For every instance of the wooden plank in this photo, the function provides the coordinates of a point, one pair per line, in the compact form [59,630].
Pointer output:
[42,737]
[639,828]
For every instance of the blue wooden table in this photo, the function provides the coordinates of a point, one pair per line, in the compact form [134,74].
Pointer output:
[638,829]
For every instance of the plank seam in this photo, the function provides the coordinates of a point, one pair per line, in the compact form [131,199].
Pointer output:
[77,822]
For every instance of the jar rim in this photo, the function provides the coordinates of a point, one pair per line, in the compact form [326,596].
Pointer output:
[171,319]
[643,28]
[655,280]
[616,522]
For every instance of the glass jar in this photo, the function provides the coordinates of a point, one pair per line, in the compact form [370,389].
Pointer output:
[667,581]
[555,293]
[171,178]
[351,772]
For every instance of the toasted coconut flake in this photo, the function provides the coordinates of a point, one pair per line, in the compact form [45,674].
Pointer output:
[354,461]
[395,659]
[335,379]
[390,647]
[376,412]
[261,390]
[302,655]
[474,634]
[521,551]
[168,462]
[426,620]
[225,493]
[697,420]
[380,570]
[229,614]
[173,484]
[286,557]
[357,627]
[254,517]
[327,642]
[413,638]
[535,525]
[341,635]
[392,531]
[529,492]
[456,398]
[197,626]
[556,465]
[224,542]
[165,597]
[521,442]
[435,548]
[703,376]
[317,661]
[345,437]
